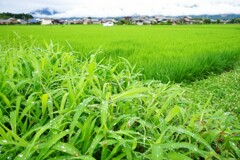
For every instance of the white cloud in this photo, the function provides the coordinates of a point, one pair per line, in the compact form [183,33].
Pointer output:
[101,8]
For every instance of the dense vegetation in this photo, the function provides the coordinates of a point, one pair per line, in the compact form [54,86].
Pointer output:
[235,20]
[61,101]
[176,53]
[18,16]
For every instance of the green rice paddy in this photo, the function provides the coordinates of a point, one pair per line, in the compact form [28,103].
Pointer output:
[176,53]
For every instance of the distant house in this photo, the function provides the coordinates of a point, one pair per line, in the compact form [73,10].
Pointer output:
[127,18]
[162,20]
[78,21]
[108,24]
[108,20]
[57,21]
[13,21]
[96,21]
[4,21]
[47,21]
[153,20]
[147,22]
[33,21]
[9,21]
[68,22]
[188,20]
[87,21]
[139,22]
[159,18]
[73,21]
[22,21]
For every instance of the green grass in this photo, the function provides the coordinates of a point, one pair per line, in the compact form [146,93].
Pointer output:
[223,88]
[54,104]
[175,53]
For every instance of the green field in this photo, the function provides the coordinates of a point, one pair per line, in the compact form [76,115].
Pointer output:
[66,94]
[175,53]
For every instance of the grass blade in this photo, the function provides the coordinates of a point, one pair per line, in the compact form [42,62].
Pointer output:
[44,103]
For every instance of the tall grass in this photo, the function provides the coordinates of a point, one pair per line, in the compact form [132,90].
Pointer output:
[176,53]
[56,105]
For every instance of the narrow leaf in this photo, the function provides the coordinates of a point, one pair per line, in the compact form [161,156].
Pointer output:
[5,99]
[157,152]
[44,103]
[173,112]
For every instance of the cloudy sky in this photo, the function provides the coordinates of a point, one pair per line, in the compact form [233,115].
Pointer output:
[69,8]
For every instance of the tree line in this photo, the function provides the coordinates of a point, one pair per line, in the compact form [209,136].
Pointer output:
[18,16]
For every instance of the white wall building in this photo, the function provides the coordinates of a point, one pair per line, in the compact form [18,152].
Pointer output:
[46,21]
[108,24]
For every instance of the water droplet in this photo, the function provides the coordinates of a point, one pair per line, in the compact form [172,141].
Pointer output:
[4,141]
[62,147]
[128,124]
[20,155]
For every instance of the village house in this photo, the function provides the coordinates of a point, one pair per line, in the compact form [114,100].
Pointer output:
[108,24]
[57,21]
[68,22]
[78,21]
[87,21]
[187,20]
[9,21]
[33,21]
[96,21]
[4,21]
[138,21]
[147,22]
[13,21]
[127,18]
[108,20]
[46,21]
[153,20]
[21,21]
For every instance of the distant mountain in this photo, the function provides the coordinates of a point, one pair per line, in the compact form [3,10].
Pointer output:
[217,16]
[44,12]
